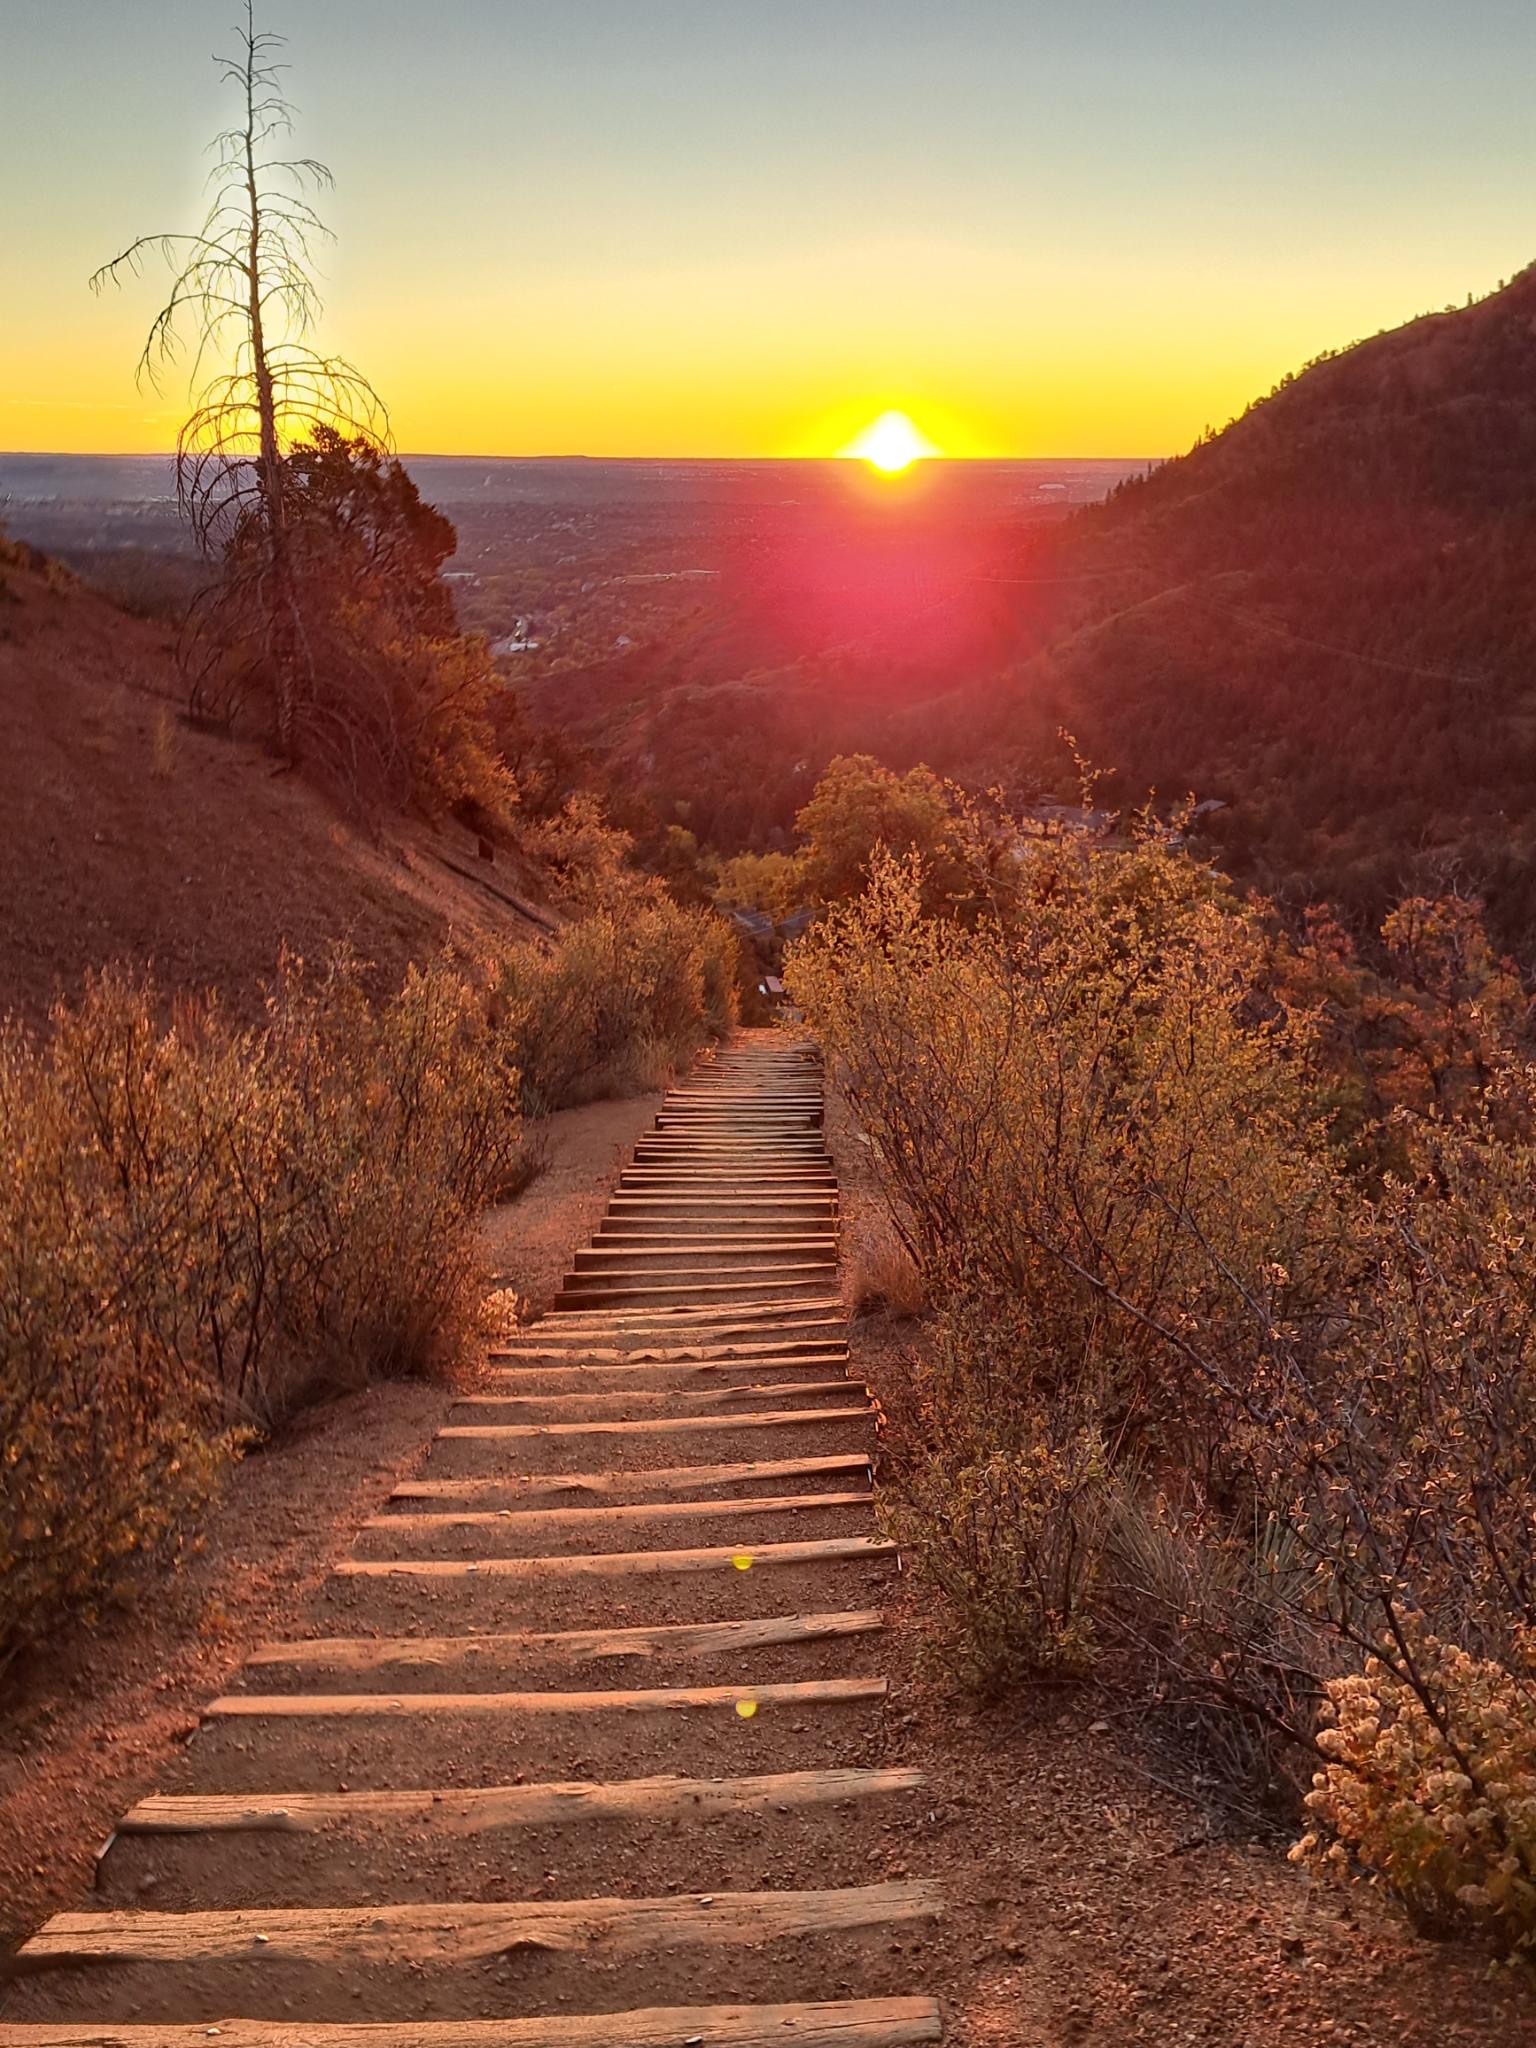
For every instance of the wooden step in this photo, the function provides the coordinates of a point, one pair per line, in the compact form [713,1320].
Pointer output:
[738,1344]
[732,1219]
[692,1156]
[672,1237]
[754,1174]
[705,1255]
[586,1645]
[663,1343]
[756,1280]
[454,1934]
[738,1118]
[709,1193]
[806,1138]
[845,2023]
[731,1130]
[481,1809]
[687,1289]
[631,1511]
[701,1316]
[629,1372]
[664,1397]
[604,1564]
[698,1183]
[661,1699]
[698,1203]
[716,1327]
[686,1376]
[665,1479]
[772,1221]
[661,1425]
[693,1162]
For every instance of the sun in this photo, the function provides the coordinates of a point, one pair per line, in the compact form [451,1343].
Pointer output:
[890,444]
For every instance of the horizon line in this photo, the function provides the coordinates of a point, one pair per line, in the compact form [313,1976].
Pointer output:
[438,455]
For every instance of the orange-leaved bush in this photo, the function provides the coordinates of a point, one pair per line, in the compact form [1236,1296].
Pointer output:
[1266,1385]
[202,1226]
[617,1002]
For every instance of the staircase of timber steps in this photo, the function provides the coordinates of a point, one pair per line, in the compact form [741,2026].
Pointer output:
[583,1746]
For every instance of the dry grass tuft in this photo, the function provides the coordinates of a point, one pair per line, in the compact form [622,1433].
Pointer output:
[884,1275]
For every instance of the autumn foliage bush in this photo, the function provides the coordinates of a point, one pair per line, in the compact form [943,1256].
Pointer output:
[1233,1379]
[617,1002]
[1435,1791]
[1000,1489]
[203,1226]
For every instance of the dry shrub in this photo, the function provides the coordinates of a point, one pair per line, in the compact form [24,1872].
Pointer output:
[1071,1102]
[999,1494]
[106,1445]
[202,1226]
[405,1123]
[1315,1375]
[616,1004]
[1033,1086]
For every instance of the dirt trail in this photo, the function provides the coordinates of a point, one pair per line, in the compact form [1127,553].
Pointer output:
[586,1741]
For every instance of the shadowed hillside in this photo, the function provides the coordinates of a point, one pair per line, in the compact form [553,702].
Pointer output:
[1325,615]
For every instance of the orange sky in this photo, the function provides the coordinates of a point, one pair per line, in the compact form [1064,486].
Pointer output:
[736,230]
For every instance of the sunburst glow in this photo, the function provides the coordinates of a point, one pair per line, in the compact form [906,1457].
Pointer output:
[890,444]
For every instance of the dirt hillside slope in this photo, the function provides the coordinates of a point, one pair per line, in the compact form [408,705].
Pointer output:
[129,835]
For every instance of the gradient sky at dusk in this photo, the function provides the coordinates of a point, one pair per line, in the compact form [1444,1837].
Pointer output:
[738,227]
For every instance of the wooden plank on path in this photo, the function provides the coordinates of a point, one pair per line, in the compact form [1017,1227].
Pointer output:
[630,1511]
[661,1699]
[792,1344]
[645,1396]
[622,1563]
[661,1425]
[581,1645]
[460,1933]
[572,1321]
[846,2023]
[481,1808]
[665,1479]
[585,1367]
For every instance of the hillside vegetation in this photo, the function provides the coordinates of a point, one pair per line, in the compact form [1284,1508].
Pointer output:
[1228,1393]
[1322,614]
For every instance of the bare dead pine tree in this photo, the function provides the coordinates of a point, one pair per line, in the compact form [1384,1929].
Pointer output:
[243,295]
